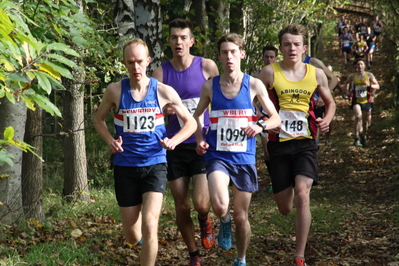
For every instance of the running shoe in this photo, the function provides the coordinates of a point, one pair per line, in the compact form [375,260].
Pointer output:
[363,141]
[195,261]
[224,236]
[299,261]
[137,244]
[239,263]
[207,234]
[357,143]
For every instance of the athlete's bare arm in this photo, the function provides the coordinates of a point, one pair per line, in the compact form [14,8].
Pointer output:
[325,94]
[109,102]
[266,75]
[332,79]
[210,68]
[205,100]
[259,92]
[158,74]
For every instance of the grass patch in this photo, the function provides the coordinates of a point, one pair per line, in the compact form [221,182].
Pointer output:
[62,253]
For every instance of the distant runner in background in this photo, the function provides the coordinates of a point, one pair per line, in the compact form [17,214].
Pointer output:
[363,93]
[377,26]
[269,56]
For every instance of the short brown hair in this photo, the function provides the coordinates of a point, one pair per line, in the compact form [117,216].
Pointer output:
[270,47]
[231,37]
[294,29]
[136,41]
[181,24]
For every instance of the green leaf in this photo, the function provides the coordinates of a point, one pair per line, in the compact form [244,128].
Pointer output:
[8,133]
[4,17]
[29,103]
[43,81]
[79,41]
[63,60]
[62,47]
[46,105]
[10,97]
[19,76]
[59,68]
[6,158]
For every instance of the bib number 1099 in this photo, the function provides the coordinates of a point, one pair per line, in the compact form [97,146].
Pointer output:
[230,134]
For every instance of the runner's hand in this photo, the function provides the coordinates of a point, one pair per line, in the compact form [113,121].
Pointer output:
[116,145]
[324,127]
[202,147]
[168,144]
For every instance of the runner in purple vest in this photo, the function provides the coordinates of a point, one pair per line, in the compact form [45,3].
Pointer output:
[186,74]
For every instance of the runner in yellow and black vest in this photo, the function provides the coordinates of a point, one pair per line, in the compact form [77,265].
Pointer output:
[293,149]
[363,92]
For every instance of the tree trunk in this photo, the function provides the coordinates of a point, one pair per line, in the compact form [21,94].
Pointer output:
[32,168]
[141,19]
[125,20]
[75,163]
[10,176]
[149,28]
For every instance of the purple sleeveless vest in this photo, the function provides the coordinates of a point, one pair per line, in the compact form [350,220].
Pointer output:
[188,84]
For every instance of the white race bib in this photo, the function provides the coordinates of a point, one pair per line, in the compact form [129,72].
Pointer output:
[139,121]
[361,91]
[295,124]
[191,105]
[230,136]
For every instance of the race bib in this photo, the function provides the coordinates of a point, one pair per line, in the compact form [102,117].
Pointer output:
[191,105]
[363,29]
[139,120]
[295,124]
[361,91]
[347,43]
[230,136]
